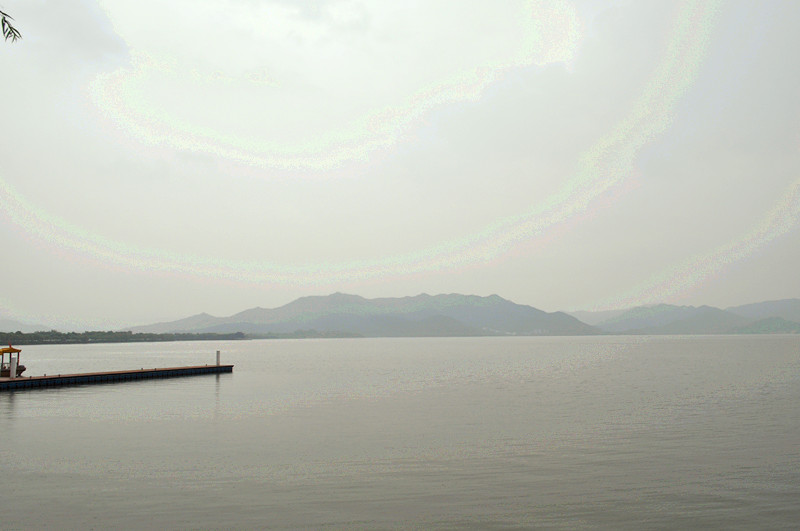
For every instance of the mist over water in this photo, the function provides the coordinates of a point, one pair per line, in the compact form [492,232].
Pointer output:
[489,433]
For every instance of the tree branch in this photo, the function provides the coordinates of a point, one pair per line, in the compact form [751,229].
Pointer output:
[9,31]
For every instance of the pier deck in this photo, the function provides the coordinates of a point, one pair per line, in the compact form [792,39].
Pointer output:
[60,380]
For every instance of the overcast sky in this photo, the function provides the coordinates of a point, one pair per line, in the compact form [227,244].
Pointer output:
[162,159]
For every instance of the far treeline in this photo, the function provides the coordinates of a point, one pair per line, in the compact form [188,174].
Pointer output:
[54,337]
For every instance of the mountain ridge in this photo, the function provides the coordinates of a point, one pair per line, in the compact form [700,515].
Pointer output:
[665,319]
[453,314]
[403,316]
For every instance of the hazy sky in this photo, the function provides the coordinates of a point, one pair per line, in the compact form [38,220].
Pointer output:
[161,159]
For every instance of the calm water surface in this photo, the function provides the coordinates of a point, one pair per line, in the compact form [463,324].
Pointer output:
[483,433]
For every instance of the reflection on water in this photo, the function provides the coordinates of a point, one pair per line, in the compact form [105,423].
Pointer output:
[426,433]
[7,407]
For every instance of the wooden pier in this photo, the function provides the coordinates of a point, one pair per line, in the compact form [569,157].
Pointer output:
[60,380]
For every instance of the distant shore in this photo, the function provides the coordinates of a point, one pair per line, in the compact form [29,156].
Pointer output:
[54,337]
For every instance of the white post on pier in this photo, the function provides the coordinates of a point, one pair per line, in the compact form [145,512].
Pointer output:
[12,366]
[218,357]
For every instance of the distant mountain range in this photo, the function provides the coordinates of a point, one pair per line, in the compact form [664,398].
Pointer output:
[782,316]
[420,316]
[469,315]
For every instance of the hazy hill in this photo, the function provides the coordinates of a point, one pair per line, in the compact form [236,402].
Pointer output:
[596,317]
[647,317]
[700,320]
[788,309]
[669,319]
[189,324]
[770,325]
[12,325]
[422,315]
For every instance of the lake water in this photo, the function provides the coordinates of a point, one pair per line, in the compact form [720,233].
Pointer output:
[482,433]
